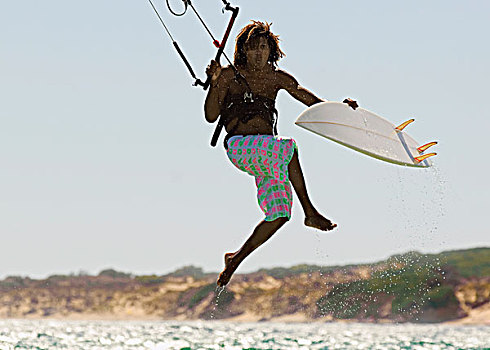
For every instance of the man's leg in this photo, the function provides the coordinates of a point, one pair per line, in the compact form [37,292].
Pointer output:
[313,218]
[262,232]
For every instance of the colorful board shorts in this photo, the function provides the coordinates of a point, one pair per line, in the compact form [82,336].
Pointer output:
[266,157]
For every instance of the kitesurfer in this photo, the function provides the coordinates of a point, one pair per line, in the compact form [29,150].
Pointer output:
[244,97]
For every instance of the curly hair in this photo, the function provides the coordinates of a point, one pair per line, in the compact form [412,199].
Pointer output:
[249,35]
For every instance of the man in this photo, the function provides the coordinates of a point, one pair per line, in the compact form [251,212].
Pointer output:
[244,97]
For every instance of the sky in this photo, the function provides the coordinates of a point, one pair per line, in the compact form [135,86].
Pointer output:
[105,159]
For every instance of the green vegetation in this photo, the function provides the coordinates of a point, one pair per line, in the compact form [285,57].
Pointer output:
[150,279]
[114,274]
[221,300]
[412,282]
[441,297]
[57,278]
[224,299]
[201,294]
[468,263]
[190,270]
[283,272]
[12,282]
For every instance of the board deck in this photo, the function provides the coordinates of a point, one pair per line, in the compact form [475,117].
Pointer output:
[363,131]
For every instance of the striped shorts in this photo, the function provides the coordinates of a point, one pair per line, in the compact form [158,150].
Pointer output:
[266,157]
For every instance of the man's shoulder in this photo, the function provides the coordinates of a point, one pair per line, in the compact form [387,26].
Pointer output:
[281,72]
[227,72]
[284,78]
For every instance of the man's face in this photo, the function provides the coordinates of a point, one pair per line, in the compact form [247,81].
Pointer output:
[257,53]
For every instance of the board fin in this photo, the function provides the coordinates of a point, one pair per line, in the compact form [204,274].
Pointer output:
[427,145]
[404,124]
[423,157]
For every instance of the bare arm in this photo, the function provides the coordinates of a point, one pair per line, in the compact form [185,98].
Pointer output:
[291,85]
[220,79]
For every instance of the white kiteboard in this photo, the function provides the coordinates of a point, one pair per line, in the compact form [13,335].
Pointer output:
[365,132]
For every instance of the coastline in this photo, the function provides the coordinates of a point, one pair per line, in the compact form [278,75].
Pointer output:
[408,288]
[477,317]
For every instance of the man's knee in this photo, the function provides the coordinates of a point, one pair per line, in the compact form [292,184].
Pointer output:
[295,153]
[281,220]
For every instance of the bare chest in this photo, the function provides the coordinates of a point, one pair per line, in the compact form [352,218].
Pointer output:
[265,85]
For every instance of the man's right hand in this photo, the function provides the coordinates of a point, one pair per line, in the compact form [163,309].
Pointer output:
[353,104]
[213,70]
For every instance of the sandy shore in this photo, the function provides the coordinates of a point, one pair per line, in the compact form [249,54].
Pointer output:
[478,316]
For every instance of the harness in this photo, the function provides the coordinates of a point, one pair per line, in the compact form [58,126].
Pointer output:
[244,108]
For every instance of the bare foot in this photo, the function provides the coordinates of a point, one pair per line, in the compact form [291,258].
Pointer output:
[225,275]
[319,222]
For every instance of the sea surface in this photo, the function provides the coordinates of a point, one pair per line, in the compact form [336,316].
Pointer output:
[50,334]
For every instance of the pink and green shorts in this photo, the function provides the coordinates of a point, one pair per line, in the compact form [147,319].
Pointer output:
[266,157]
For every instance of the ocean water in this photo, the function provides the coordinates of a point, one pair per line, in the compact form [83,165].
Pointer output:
[48,334]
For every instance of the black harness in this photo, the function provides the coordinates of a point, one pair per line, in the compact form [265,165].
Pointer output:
[244,108]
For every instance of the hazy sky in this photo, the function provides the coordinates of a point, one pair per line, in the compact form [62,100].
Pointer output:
[104,151]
